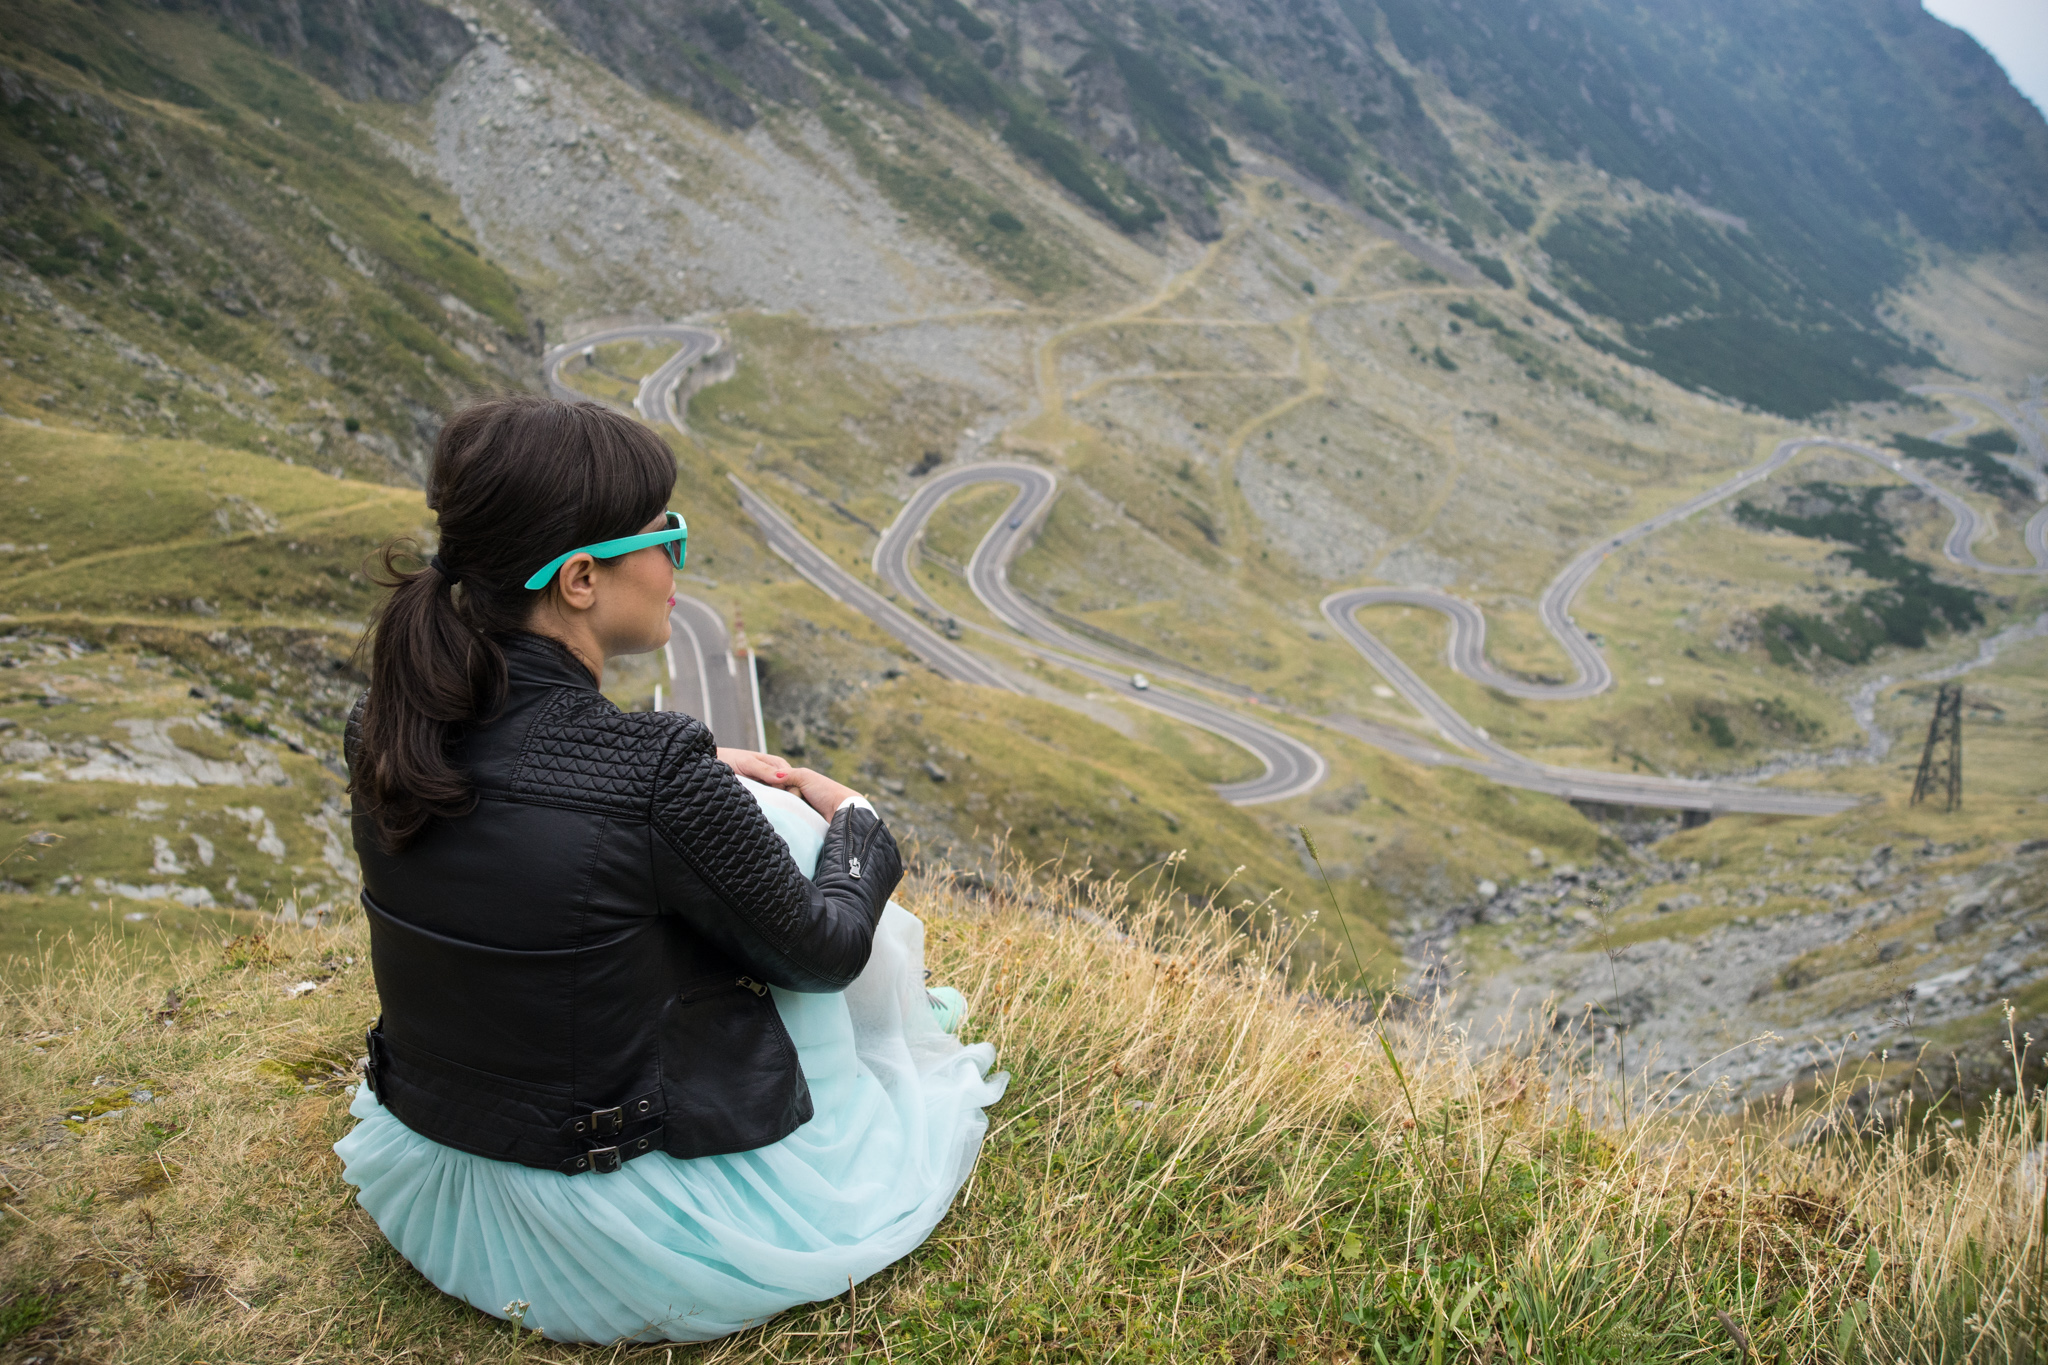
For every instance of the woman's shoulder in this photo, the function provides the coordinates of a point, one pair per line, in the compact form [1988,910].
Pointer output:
[583,746]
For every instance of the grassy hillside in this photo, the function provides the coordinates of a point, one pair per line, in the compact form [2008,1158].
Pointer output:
[176,651]
[130,527]
[1757,275]
[198,240]
[1189,1164]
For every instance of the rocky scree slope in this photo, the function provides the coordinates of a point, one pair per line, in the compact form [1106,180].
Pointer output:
[1756,1000]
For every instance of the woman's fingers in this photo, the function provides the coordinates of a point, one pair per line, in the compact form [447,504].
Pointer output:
[820,792]
[760,767]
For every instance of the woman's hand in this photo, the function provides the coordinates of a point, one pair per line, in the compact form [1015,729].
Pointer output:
[819,792]
[769,769]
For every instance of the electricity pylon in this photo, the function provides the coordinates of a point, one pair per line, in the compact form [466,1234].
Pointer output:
[1941,762]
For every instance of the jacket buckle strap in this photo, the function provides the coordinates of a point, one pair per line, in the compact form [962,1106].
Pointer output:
[613,1122]
[375,1056]
[601,1123]
[605,1160]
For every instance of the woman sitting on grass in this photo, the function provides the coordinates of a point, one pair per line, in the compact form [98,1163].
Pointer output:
[656,1059]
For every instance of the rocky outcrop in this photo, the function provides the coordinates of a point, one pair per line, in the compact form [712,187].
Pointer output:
[674,47]
[1744,984]
[366,49]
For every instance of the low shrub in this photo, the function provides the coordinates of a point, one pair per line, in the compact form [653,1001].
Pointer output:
[1494,269]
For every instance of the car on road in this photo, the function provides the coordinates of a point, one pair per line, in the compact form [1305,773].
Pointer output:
[1016,522]
[1140,682]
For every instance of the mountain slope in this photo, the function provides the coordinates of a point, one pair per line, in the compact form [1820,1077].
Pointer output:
[1282,309]
[200,240]
[1792,158]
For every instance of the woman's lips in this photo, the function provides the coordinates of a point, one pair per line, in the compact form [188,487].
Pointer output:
[671,599]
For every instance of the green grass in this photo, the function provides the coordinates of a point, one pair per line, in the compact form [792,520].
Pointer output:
[1034,257]
[1189,1164]
[58,927]
[124,528]
[963,519]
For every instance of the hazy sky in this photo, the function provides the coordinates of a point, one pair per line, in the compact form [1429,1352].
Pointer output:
[2014,31]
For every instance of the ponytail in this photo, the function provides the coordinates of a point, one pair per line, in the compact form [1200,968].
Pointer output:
[516,480]
[430,672]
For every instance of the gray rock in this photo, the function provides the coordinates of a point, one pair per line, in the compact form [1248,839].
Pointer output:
[1959,922]
[389,49]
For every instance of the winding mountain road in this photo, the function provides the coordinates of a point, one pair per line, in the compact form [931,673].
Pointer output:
[1467,648]
[707,679]
[988,576]
[2026,421]
[656,401]
[796,549]
[1292,767]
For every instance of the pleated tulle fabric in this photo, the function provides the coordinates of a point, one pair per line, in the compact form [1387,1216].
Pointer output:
[691,1250]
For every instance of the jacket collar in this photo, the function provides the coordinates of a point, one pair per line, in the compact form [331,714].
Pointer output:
[531,658]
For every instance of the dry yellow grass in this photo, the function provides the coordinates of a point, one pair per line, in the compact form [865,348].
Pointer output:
[1193,1162]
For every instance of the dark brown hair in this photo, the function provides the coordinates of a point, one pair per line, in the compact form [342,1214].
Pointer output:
[516,481]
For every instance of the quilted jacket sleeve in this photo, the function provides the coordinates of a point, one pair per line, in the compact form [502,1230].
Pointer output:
[797,933]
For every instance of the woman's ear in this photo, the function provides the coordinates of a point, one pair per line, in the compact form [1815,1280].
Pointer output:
[576,583]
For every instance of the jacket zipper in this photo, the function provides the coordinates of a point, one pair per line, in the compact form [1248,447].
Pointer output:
[853,860]
[748,983]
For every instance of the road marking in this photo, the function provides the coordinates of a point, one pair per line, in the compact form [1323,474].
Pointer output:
[754,685]
[703,675]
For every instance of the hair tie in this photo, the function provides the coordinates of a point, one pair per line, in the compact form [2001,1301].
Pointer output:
[442,569]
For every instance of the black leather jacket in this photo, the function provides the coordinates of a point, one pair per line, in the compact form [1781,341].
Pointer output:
[576,972]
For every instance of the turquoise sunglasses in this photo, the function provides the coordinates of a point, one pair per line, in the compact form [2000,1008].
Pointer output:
[674,540]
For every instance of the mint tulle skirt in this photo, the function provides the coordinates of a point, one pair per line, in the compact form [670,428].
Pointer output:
[675,1250]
